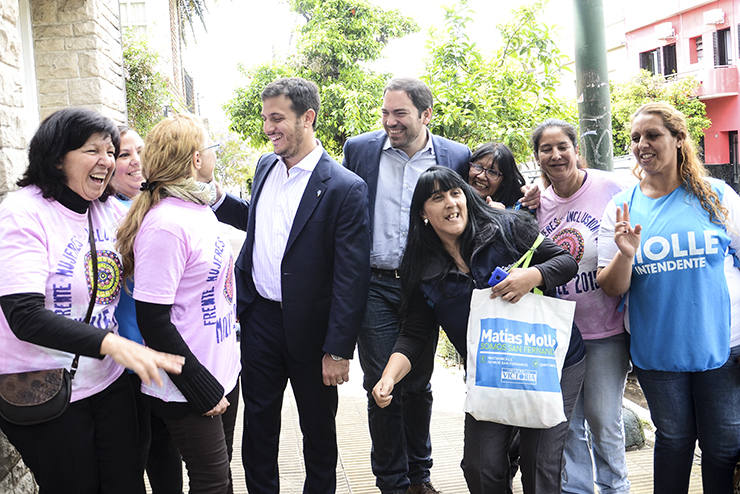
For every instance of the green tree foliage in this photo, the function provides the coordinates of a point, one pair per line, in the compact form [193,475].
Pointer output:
[333,47]
[626,98]
[236,162]
[146,89]
[500,98]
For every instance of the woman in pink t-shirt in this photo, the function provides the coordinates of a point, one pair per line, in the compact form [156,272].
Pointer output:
[570,213]
[183,271]
[45,289]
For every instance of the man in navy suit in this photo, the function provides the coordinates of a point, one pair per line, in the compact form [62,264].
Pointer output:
[390,161]
[302,280]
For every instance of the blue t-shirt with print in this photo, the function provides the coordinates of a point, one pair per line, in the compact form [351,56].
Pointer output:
[679,306]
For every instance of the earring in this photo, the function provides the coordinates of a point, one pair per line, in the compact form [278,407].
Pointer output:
[426,221]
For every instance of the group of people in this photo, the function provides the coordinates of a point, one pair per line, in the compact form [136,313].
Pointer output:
[380,253]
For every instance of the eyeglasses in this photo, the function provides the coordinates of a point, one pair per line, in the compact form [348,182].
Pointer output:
[491,172]
[215,147]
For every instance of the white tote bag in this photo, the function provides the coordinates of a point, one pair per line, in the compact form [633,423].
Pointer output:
[515,359]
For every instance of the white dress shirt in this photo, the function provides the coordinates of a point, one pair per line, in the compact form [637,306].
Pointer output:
[276,209]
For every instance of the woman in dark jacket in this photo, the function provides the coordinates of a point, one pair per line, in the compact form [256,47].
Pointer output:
[455,241]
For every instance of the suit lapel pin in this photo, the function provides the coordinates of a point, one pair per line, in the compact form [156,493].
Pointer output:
[318,193]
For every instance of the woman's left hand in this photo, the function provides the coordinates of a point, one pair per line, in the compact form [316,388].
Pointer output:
[516,284]
[219,409]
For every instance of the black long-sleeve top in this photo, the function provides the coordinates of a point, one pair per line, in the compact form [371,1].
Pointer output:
[443,296]
[195,382]
[31,321]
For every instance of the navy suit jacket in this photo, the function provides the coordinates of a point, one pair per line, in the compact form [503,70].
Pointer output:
[362,156]
[325,268]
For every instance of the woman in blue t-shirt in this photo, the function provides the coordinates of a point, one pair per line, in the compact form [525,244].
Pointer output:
[664,243]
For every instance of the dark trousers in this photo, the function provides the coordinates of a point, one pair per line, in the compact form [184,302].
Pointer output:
[93,448]
[158,453]
[402,449]
[486,448]
[266,369]
[202,442]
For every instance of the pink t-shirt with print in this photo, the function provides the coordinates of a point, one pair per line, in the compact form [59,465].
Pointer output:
[181,258]
[45,249]
[573,223]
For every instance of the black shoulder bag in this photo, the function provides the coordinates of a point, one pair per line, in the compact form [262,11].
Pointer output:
[29,398]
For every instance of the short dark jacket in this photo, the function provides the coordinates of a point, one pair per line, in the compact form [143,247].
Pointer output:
[325,268]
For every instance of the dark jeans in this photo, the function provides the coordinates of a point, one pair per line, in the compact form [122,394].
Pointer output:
[401,446]
[201,441]
[486,448]
[266,369]
[686,406]
[158,453]
[93,448]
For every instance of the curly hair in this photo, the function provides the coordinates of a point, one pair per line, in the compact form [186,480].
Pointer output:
[691,171]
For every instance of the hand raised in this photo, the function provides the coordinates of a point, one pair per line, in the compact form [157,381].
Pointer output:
[626,237]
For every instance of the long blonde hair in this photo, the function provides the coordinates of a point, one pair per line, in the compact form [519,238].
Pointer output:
[691,171]
[167,165]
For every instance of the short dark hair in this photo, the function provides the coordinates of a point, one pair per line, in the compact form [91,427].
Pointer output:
[509,190]
[302,94]
[420,94]
[61,132]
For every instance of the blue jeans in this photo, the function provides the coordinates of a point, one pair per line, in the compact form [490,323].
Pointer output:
[686,406]
[599,405]
[401,447]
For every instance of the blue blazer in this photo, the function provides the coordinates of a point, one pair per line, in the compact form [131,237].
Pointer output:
[326,264]
[362,156]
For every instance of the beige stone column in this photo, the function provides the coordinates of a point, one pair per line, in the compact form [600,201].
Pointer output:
[78,56]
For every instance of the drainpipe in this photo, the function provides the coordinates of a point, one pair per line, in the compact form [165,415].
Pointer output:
[592,82]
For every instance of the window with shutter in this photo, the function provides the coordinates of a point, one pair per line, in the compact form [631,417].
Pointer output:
[715,48]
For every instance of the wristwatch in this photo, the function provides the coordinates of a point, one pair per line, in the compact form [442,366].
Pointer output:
[336,357]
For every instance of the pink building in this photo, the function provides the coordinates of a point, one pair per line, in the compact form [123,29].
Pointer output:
[700,39]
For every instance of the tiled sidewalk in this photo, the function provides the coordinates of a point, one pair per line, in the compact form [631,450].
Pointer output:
[353,470]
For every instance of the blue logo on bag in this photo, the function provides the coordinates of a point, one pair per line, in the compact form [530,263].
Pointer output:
[517,355]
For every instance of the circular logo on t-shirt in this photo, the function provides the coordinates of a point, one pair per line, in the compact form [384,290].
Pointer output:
[229,282]
[571,241]
[109,276]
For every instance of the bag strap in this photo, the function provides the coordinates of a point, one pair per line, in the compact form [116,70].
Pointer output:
[94,296]
[527,258]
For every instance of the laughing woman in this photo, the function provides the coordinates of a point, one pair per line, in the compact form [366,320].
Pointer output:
[46,282]
[184,292]
[455,240]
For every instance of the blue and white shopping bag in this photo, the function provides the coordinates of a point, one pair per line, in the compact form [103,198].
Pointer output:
[515,359]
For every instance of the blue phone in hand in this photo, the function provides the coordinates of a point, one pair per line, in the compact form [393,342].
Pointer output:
[497,275]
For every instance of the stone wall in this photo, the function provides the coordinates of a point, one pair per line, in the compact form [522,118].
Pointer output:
[14,476]
[78,56]
[12,142]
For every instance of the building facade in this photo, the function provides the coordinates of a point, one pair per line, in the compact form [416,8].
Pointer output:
[53,54]
[682,38]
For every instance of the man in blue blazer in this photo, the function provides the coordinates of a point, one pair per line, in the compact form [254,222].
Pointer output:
[302,278]
[390,161]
